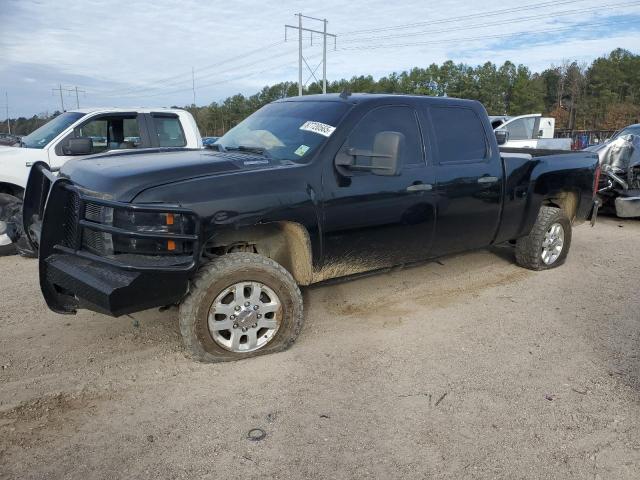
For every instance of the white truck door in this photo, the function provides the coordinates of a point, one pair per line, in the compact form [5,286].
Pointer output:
[110,131]
[523,131]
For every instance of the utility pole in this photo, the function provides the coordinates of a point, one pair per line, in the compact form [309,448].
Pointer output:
[193,85]
[69,91]
[59,89]
[6,97]
[324,57]
[301,58]
[78,98]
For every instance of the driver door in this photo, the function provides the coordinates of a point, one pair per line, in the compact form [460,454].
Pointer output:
[107,132]
[374,221]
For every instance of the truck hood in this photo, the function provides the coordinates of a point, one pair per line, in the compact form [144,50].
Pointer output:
[122,176]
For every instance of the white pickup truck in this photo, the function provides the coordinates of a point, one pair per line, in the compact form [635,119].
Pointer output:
[530,131]
[79,133]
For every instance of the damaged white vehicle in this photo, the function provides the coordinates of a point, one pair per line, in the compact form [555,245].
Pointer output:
[619,186]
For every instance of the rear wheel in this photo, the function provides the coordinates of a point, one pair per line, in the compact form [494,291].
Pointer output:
[240,305]
[547,245]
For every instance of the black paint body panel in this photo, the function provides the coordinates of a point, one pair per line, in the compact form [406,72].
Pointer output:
[354,225]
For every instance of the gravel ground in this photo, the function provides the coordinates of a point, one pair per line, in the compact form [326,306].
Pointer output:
[465,368]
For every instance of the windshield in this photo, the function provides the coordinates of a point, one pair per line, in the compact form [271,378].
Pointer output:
[633,129]
[50,130]
[285,130]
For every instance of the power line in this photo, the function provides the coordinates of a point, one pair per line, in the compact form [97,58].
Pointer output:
[484,37]
[498,22]
[184,77]
[463,17]
[243,75]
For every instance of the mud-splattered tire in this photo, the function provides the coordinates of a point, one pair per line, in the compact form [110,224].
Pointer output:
[203,313]
[552,227]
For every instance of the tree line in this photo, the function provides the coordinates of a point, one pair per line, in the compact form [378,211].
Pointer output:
[604,95]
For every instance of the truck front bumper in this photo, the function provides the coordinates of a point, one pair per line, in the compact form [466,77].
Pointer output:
[73,277]
[70,282]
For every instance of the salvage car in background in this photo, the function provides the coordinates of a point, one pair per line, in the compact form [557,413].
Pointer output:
[620,165]
[79,133]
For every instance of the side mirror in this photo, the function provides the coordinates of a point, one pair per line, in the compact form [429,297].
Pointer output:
[385,156]
[502,136]
[79,146]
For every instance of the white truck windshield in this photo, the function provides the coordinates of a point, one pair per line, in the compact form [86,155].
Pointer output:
[50,130]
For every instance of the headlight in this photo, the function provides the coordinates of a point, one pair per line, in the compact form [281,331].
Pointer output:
[152,222]
[106,243]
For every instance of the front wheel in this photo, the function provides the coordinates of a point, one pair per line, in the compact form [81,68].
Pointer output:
[240,305]
[11,218]
[547,245]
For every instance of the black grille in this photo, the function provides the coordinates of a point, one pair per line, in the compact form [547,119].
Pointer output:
[97,242]
[71,218]
[94,212]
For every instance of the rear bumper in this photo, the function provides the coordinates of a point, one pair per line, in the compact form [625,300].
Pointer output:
[627,207]
[70,282]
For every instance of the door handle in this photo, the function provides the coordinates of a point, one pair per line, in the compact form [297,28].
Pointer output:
[487,179]
[420,187]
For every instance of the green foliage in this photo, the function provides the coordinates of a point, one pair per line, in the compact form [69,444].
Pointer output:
[604,95]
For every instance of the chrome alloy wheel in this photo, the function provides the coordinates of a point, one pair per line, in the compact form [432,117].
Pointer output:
[245,317]
[552,244]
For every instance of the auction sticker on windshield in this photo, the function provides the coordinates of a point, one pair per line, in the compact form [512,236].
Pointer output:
[318,127]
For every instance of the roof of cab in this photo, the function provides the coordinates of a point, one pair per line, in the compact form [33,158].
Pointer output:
[125,110]
[357,98]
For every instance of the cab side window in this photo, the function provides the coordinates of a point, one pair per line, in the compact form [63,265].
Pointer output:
[111,133]
[169,131]
[521,129]
[460,136]
[399,119]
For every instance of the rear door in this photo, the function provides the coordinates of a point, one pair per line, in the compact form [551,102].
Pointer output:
[374,221]
[469,180]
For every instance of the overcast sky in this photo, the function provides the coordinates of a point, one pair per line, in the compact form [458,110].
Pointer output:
[138,53]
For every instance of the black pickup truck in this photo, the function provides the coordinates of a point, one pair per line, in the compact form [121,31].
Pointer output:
[305,190]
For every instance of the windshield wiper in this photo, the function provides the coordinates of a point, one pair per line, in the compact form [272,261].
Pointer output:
[244,148]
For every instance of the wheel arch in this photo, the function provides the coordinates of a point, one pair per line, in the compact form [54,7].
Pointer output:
[567,201]
[12,189]
[287,243]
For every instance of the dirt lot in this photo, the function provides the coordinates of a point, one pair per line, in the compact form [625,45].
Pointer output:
[466,368]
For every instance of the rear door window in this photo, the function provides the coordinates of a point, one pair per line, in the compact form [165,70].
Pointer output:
[169,131]
[460,136]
